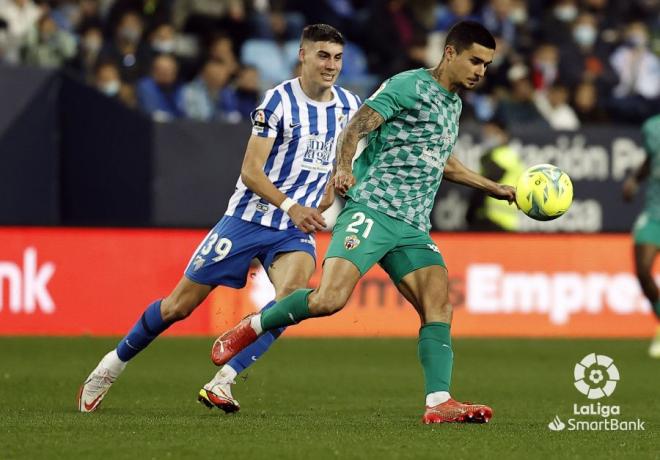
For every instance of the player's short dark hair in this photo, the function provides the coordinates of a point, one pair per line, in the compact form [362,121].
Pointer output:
[464,34]
[321,33]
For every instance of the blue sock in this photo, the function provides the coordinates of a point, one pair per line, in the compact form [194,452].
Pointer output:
[148,327]
[249,355]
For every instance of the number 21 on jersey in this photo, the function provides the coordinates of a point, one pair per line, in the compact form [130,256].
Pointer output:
[358,219]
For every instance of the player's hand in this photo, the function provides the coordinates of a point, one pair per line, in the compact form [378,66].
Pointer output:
[630,187]
[504,192]
[343,180]
[308,220]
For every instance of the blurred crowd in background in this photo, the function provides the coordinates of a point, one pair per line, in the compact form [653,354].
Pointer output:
[558,63]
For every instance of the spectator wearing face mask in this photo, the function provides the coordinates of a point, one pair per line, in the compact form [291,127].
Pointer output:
[164,39]
[107,80]
[556,24]
[637,96]
[209,97]
[49,46]
[545,66]
[160,94]
[127,48]
[586,57]
[89,48]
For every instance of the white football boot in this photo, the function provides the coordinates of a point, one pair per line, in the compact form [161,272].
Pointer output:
[96,386]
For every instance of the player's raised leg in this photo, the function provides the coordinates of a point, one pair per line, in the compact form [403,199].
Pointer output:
[427,290]
[645,255]
[337,283]
[155,319]
[288,272]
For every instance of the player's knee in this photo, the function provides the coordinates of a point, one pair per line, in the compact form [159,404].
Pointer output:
[324,303]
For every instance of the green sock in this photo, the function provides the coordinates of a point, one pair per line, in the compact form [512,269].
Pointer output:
[436,356]
[290,310]
[656,309]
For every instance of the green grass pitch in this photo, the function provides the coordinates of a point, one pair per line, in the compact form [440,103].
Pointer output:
[318,399]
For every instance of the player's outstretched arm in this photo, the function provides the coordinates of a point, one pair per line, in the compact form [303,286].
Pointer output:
[631,184]
[456,172]
[252,174]
[363,122]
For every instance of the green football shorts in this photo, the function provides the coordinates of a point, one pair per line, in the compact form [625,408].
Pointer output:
[647,230]
[365,236]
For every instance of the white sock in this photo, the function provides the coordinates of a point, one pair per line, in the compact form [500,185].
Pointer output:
[438,397]
[112,362]
[255,322]
[225,375]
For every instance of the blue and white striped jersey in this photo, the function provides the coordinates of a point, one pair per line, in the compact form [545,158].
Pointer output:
[303,154]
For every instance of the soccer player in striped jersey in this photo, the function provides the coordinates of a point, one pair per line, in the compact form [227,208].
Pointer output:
[272,216]
[410,125]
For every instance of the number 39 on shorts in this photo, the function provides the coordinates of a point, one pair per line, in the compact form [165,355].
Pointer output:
[222,246]
[358,219]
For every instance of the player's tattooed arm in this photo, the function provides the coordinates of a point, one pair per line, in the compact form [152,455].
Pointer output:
[456,172]
[363,122]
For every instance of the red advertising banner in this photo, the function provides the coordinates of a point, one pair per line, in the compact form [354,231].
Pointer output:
[98,281]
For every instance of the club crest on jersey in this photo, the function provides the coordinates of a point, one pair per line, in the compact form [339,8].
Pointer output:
[342,121]
[351,242]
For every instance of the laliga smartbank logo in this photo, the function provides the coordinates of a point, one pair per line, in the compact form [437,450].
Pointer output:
[596,377]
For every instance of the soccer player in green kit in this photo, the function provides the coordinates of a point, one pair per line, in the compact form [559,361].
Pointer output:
[408,129]
[646,231]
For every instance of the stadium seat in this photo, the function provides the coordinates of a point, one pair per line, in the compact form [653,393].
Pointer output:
[274,62]
[355,75]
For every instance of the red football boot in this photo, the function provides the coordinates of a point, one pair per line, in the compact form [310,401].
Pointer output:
[453,411]
[233,341]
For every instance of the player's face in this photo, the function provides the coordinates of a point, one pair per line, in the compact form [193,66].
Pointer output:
[321,62]
[468,68]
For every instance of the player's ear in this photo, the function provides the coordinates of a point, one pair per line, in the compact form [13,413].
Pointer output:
[450,53]
[301,53]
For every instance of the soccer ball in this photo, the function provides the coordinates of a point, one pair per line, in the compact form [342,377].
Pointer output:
[544,192]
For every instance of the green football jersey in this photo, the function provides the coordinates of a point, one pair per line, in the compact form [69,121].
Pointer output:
[399,171]
[651,135]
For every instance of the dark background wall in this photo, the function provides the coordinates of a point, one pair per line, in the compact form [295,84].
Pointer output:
[71,156]
[195,170]
[29,147]
[106,159]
